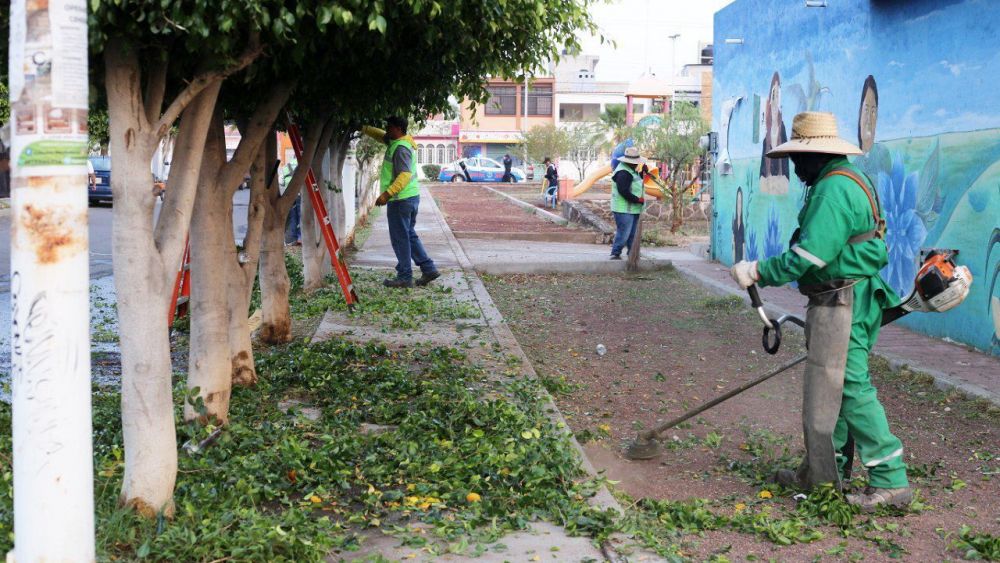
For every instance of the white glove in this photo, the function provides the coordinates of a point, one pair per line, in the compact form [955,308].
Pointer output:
[745,273]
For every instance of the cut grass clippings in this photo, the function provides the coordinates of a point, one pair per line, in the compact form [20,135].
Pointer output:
[384,307]
[280,486]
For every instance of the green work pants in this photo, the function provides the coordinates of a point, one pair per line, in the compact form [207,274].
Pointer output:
[861,414]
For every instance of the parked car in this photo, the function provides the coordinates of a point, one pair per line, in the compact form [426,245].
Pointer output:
[100,189]
[481,169]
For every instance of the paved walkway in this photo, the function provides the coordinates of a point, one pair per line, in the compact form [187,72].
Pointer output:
[952,365]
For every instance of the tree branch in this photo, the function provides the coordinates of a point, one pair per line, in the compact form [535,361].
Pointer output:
[260,124]
[156,87]
[310,144]
[185,169]
[124,88]
[255,213]
[202,80]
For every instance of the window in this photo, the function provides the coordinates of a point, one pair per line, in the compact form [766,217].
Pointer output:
[440,159]
[451,153]
[579,112]
[503,100]
[539,100]
[420,154]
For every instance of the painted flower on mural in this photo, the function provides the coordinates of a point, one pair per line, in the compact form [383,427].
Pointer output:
[905,230]
[773,245]
[751,253]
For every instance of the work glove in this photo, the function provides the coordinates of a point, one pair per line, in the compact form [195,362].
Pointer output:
[745,273]
[383,199]
[642,200]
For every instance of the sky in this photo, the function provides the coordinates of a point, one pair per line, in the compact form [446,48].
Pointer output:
[641,30]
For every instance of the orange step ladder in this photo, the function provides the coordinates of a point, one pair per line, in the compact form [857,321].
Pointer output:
[182,287]
[336,254]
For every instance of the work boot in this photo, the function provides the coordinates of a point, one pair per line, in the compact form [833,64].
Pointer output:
[616,256]
[873,498]
[426,278]
[398,283]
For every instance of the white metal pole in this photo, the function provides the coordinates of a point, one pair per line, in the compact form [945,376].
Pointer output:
[50,301]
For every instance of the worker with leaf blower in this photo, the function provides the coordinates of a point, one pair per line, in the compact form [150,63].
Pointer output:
[835,256]
[400,192]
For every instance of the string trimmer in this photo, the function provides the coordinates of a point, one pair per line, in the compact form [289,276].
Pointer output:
[940,285]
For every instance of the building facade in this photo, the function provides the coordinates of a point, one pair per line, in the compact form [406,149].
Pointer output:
[913,84]
[494,128]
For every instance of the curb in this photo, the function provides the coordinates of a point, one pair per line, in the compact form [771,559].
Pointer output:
[603,499]
[540,212]
[941,380]
[604,267]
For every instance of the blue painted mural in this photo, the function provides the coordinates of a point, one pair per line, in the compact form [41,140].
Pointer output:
[915,85]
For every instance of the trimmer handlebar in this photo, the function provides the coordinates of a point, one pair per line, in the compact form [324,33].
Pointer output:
[771,339]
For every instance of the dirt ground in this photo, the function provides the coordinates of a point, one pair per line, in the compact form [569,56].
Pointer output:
[656,224]
[468,207]
[670,346]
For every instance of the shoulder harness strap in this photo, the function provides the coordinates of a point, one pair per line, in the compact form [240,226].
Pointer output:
[879,230]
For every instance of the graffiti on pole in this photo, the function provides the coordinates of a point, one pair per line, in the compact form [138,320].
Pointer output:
[50,379]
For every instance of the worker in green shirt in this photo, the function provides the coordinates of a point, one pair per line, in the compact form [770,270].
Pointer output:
[835,256]
[400,192]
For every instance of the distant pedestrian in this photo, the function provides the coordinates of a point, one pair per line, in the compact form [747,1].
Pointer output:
[552,179]
[627,200]
[293,228]
[507,163]
[400,191]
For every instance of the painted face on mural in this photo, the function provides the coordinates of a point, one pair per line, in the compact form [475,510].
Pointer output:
[774,99]
[868,114]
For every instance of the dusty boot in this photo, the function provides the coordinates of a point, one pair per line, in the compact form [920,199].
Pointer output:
[427,278]
[872,498]
[398,283]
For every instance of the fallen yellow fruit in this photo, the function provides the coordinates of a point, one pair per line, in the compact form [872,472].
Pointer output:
[315,499]
[765,494]
[473,497]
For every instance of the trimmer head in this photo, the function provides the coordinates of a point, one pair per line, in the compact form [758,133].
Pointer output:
[643,448]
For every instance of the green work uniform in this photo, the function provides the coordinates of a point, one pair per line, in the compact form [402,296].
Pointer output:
[412,188]
[618,203]
[837,209]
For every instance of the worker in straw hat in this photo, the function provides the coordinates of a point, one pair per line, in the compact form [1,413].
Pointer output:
[627,200]
[836,255]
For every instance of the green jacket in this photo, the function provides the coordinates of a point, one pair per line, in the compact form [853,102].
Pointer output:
[411,187]
[835,210]
[620,204]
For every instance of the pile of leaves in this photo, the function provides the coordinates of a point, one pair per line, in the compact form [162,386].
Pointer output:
[468,458]
[384,307]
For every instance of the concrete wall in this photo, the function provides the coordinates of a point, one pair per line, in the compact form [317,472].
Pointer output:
[936,152]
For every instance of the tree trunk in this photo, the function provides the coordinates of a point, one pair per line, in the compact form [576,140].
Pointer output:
[242,274]
[274,284]
[677,204]
[316,263]
[209,367]
[145,266]
[276,319]
[220,336]
[335,198]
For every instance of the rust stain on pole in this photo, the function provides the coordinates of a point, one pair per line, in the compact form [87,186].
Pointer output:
[51,233]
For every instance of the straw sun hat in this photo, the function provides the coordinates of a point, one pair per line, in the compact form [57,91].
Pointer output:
[632,156]
[815,132]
